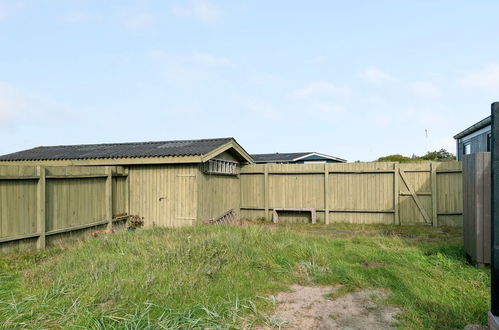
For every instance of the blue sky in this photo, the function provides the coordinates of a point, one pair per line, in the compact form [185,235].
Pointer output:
[355,79]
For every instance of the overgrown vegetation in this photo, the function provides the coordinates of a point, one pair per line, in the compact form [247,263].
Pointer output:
[208,276]
[440,155]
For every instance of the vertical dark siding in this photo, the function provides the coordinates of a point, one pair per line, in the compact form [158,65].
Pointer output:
[478,144]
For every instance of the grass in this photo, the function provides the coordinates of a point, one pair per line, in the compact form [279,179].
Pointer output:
[224,277]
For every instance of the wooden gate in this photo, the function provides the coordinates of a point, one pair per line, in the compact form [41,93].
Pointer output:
[422,186]
[417,193]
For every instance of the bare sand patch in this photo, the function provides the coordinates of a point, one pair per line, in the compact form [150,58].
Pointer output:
[307,307]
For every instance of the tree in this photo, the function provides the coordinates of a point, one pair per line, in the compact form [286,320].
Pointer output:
[440,155]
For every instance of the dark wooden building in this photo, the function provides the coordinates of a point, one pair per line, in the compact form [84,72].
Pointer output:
[295,158]
[475,138]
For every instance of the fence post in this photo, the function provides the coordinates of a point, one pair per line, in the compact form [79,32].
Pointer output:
[109,198]
[40,205]
[326,193]
[434,192]
[266,189]
[396,192]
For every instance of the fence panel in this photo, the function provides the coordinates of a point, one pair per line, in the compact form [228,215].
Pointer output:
[39,201]
[377,192]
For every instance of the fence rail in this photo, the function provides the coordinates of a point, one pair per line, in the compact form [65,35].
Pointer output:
[378,192]
[40,201]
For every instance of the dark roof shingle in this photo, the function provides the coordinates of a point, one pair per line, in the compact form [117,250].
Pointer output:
[278,157]
[119,150]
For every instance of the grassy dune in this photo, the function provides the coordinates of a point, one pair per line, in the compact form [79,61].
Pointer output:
[225,276]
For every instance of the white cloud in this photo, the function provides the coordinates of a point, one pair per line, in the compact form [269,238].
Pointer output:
[202,10]
[323,88]
[425,89]
[487,78]
[140,21]
[378,76]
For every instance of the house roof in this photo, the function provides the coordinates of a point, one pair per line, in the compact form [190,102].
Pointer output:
[123,150]
[475,127]
[289,157]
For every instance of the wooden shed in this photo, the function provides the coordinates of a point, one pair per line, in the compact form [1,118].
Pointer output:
[170,183]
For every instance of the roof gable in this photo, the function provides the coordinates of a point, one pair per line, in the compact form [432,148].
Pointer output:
[292,156]
[177,148]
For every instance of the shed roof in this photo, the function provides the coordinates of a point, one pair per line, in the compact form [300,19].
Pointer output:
[121,150]
[289,157]
[475,127]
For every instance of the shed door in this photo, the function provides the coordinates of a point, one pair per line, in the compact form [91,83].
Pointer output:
[185,199]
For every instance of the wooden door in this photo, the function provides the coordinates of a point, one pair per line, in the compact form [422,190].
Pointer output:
[185,199]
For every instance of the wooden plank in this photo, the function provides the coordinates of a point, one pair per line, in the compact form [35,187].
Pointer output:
[109,198]
[419,193]
[414,196]
[18,237]
[434,193]
[77,176]
[19,177]
[326,194]
[248,172]
[361,171]
[83,226]
[362,211]
[127,195]
[40,206]
[449,213]
[416,171]
[396,192]
[266,197]
[304,172]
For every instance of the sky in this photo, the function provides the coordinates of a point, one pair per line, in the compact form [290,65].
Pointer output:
[354,79]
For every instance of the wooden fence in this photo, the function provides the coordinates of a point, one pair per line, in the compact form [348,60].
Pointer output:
[38,202]
[390,193]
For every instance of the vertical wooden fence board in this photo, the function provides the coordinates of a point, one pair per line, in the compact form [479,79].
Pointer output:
[18,204]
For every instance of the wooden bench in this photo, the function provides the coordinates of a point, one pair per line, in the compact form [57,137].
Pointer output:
[275,215]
